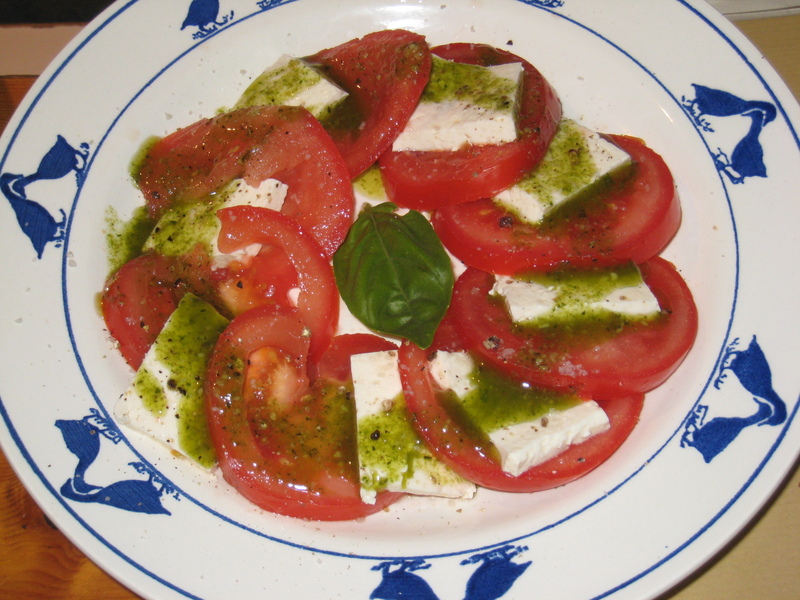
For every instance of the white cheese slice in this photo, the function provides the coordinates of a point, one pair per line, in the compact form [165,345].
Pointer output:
[576,160]
[453,371]
[293,82]
[526,445]
[184,226]
[622,292]
[391,455]
[464,105]
[165,400]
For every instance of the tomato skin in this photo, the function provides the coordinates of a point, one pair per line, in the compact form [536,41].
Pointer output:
[318,301]
[431,180]
[636,223]
[385,73]
[255,143]
[335,363]
[636,360]
[451,443]
[136,303]
[328,493]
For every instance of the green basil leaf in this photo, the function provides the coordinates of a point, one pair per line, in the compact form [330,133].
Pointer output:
[394,274]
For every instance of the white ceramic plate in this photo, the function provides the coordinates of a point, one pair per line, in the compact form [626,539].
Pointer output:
[713,442]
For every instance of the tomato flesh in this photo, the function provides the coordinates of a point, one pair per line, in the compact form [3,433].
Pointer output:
[452,443]
[136,303]
[255,143]
[318,301]
[279,437]
[430,180]
[635,360]
[631,223]
[384,73]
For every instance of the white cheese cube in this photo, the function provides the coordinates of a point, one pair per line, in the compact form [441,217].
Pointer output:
[526,445]
[560,298]
[464,105]
[522,445]
[391,455]
[184,226]
[575,161]
[293,82]
[453,371]
[165,399]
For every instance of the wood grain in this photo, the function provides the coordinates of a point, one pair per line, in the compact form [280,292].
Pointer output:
[37,562]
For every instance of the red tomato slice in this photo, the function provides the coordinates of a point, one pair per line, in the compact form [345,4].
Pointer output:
[136,303]
[633,223]
[452,442]
[335,363]
[637,359]
[430,180]
[256,143]
[302,463]
[384,73]
[318,301]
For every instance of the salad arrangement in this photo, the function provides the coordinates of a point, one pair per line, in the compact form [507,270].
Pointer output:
[252,213]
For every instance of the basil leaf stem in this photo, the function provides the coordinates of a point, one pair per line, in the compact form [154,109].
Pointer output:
[394,274]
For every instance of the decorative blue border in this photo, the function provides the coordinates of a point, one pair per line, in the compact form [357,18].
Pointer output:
[268,5]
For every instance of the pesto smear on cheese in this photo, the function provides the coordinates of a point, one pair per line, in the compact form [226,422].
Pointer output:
[181,351]
[477,85]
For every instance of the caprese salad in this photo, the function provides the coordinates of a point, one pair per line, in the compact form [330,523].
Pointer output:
[491,316]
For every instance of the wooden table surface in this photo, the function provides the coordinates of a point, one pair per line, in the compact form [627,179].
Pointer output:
[38,562]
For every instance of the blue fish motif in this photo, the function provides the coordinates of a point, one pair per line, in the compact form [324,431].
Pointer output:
[36,222]
[751,368]
[267,4]
[83,438]
[490,581]
[204,15]
[545,3]
[747,157]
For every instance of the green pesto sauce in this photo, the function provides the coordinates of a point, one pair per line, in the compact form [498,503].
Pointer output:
[577,289]
[150,391]
[566,167]
[279,86]
[125,239]
[344,116]
[498,401]
[570,218]
[390,450]
[451,81]
[187,224]
[138,158]
[183,347]
[370,184]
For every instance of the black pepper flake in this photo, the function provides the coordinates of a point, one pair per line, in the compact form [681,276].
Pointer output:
[239,284]
[505,221]
[375,435]
[581,459]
